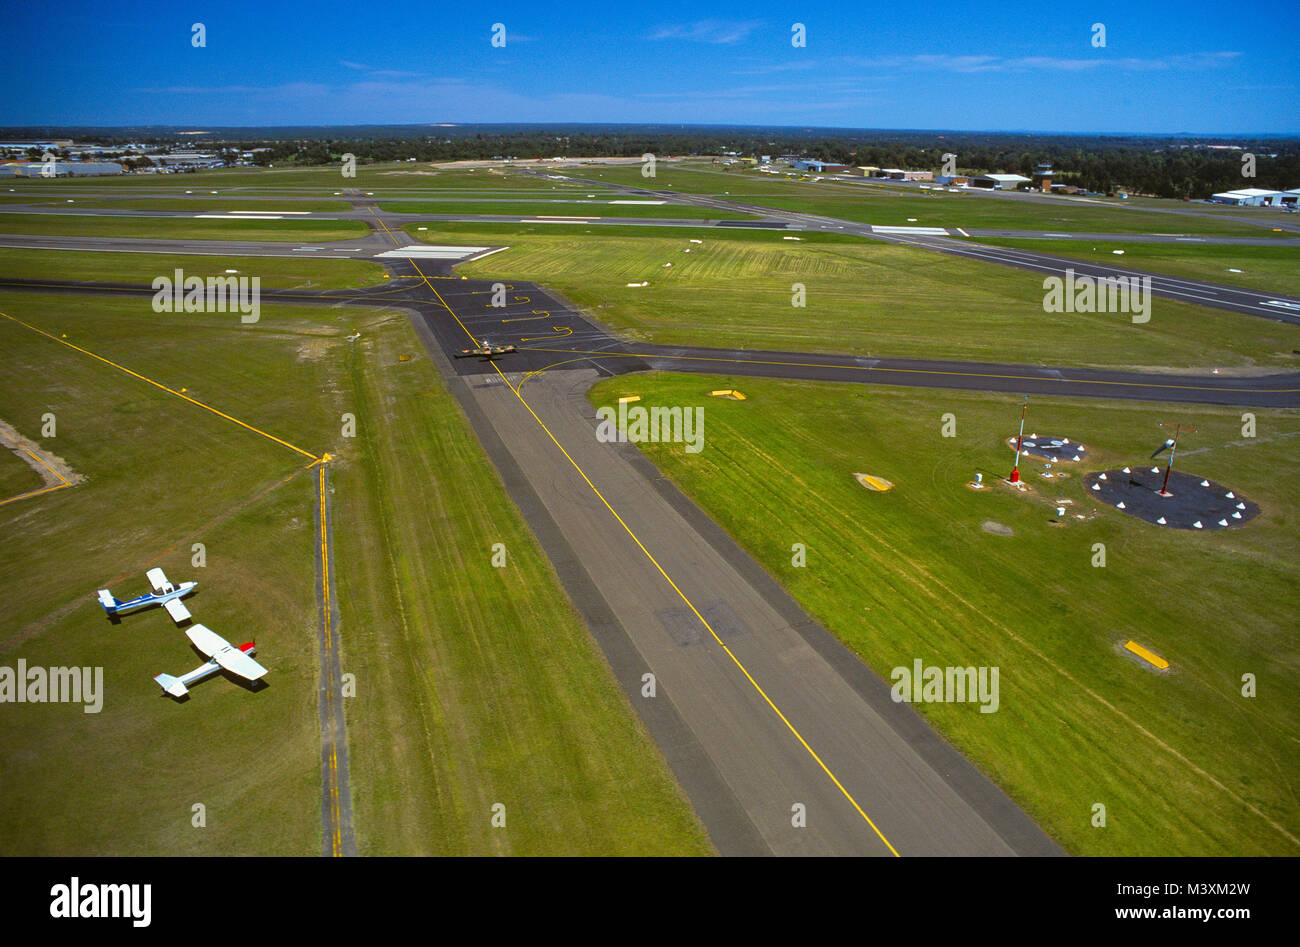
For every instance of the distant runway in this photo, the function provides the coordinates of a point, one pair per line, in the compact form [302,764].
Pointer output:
[551,334]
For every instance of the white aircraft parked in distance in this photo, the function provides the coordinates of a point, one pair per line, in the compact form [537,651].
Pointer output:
[164,594]
[223,655]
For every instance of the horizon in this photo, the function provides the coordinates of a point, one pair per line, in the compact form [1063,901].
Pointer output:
[181,129]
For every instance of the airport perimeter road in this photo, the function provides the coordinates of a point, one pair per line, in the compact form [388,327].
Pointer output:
[760,712]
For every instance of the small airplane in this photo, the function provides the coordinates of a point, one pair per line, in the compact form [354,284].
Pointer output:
[223,655]
[487,350]
[164,594]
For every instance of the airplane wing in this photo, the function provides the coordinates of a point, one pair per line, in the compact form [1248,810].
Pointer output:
[158,579]
[176,608]
[224,653]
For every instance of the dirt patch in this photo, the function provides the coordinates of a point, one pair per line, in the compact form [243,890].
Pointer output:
[313,349]
[54,470]
[996,528]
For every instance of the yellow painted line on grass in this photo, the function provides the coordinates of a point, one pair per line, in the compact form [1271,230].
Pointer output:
[170,391]
[1148,656]
[63,481]
[682,595]
[40,461]
[36,493]
[336,844]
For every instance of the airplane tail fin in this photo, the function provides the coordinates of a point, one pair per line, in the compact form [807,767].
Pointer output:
[172,685]
[106,599]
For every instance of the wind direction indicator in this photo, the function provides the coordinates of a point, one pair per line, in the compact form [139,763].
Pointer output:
[1171,445]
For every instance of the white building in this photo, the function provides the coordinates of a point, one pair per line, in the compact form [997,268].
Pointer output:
[999,182]
[1252,197]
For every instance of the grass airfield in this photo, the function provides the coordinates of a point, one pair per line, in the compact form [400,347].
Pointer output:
[894,206]
[1267,269]
[861,297]
[163,473]
[181,228]
[300,272]
[1180,758]
[479,685]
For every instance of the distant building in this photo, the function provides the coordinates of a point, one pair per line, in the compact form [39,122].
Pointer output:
[62,169]
[819,167]
[1043,178]
[999,182]
[952,180]
[188,159]
[899,174]
[1255,197]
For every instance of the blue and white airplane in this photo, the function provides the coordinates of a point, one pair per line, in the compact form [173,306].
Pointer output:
[164,594]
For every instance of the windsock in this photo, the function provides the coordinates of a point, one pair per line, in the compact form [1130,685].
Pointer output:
[1163,447]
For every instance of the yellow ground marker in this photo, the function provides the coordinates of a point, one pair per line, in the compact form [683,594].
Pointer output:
[1148,656]
[628,399]
[878,484]
[728,393]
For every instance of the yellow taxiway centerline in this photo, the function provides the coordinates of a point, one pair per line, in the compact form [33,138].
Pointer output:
[682,595]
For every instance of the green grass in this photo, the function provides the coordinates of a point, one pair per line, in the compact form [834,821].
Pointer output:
[401,176]
[910,574]
[862,297]
[158,472]
[16,475]
[213,205]
[181,228]
[480,684]
[275,272]
[885,206]
[1268,269]
[563,209]
[933,209]
[474,685]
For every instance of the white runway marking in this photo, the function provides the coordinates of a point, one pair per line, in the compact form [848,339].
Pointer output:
[431,253]
[916,231]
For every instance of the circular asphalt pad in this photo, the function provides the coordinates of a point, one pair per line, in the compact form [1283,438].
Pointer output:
[1195,503]
[1051,448]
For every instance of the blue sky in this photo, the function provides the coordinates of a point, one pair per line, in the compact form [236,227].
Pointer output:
[1166,67]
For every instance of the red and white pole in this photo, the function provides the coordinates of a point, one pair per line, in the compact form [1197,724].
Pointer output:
[1015,469]
[1164,488]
